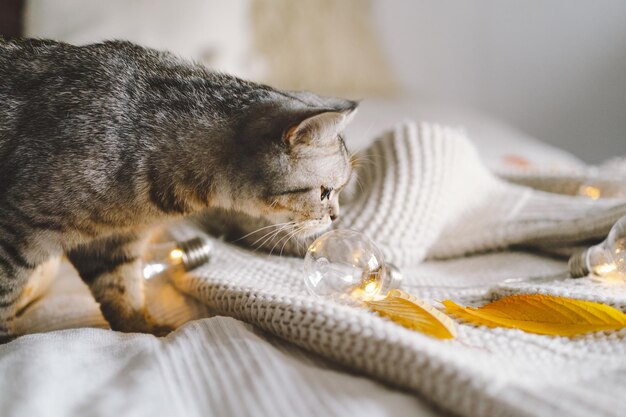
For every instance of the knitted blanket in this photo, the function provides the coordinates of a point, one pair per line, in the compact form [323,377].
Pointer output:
[425,194]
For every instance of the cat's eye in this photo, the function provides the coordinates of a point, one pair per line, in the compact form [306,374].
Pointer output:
[325,193]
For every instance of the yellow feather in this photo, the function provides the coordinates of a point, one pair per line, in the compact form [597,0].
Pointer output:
[414,314]
[542,314]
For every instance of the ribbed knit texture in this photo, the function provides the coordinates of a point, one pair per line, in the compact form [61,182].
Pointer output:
[414,181]
[426,194]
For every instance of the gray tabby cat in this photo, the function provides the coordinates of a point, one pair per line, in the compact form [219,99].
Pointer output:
[101,142]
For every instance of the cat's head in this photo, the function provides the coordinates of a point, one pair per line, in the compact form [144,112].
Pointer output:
[291,162]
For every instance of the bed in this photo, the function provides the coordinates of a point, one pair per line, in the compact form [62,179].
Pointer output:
[222,366]
[214,364]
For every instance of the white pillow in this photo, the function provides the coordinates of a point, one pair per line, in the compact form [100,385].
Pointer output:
[213,32]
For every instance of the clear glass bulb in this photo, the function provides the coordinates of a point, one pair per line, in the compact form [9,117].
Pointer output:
[607,259]
[347,266]
[170,257]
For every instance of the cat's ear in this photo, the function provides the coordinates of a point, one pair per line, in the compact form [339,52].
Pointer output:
[323,126]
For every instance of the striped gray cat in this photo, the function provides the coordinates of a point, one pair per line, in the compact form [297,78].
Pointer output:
[99,143]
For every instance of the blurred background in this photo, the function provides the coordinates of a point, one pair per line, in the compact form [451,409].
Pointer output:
[555,70]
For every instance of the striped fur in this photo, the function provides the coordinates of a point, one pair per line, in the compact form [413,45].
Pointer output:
[101,142]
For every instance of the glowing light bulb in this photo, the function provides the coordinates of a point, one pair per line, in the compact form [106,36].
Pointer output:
[346,266]
[175,256]
[595,188]
[606,260]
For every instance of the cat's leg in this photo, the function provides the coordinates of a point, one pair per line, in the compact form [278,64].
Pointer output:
[111,267]
[13,280]
[15,269]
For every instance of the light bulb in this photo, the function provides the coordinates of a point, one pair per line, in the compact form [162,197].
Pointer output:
[346,266]
[175,256]
[595,188]
[607,260]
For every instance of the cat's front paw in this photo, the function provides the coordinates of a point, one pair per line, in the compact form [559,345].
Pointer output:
[161,330]
[140,322]
[8,331]
[7,337]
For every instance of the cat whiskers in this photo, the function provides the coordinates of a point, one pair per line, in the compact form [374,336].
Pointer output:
[359,183]
[359,161]
[260,229]
[273,204]
[271,235]
[302,247]
[288,236]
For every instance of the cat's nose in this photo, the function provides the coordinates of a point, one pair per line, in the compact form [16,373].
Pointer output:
[333,212]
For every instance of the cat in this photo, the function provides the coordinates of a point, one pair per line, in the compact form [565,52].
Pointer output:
[99,143]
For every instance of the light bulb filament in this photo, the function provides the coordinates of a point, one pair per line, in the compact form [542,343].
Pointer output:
[590,191]
[371,288]
[176,254]
[604,269]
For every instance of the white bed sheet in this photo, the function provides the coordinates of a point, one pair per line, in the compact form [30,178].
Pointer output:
[96,372]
